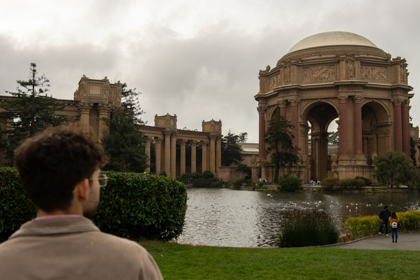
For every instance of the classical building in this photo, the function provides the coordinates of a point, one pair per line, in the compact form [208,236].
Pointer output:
[337,75]
[165,136]
[96,99]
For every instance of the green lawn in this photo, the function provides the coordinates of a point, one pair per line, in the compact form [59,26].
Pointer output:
[187,262]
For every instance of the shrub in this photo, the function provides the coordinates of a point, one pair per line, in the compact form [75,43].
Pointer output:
[366,180]
[307,228]
[366,226]
[249,182]
[351,184]
[207,183]
[195,176]
[330,184]
[16,209]
[133,205]
[208,174]
[185,178]
[243,168]
[237,183]
[163,173]
[290,183]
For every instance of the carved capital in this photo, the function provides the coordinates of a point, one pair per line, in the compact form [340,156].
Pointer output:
[104,109]
[358,99]
[167,132]
[342,99]
[84,107]
[406,103]
[282,103]
[157,140]
[262,109]
[193,142]
[213,136]
[294,102]
[397,102]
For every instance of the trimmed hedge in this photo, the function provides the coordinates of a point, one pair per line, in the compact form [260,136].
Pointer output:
[369,225]
[133,205]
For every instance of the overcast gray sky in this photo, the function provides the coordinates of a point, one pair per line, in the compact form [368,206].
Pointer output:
[196,59]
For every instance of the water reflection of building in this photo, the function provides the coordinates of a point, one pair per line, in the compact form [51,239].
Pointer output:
[337,75]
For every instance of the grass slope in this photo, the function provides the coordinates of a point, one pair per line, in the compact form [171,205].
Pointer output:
[187,262]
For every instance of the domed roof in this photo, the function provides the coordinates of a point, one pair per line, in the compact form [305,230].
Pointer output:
[333,38]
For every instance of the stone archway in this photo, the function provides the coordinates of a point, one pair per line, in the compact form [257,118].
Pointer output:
[320,115]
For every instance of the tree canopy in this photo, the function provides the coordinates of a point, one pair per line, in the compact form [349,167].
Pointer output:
[30,111]
[123,143]
[280,144]
[392,167]
[231,150]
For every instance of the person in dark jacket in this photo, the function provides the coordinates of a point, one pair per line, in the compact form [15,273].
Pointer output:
[384,217]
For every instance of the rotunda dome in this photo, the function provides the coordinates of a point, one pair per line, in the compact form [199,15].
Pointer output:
[333,38]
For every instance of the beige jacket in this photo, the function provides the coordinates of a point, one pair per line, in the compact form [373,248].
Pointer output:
[72,248]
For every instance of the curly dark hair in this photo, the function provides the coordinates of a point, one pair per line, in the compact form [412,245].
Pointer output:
[51,163]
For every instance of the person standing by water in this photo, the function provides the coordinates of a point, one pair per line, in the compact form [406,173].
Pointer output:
[384,217]
[393,221]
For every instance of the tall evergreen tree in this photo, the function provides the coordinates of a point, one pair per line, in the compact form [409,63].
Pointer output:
[123,143]
[30,111]
[231,151]
[280,144]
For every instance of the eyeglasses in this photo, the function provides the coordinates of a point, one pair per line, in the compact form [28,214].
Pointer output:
[102,180]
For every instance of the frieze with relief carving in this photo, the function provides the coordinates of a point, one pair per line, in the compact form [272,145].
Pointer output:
[274,81]
[374,74]
[319,74]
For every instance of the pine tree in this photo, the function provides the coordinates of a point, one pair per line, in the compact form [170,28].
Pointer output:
[280,144]
[231,151]
[124,144]
[30,111]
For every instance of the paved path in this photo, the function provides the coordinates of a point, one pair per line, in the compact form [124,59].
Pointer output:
[406,242]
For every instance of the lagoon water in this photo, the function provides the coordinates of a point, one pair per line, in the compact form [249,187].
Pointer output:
[231,218]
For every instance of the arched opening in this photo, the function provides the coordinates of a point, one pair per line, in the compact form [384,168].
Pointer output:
[376,130]
[320,115]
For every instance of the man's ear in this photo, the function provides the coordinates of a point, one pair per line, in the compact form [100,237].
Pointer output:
[81,190]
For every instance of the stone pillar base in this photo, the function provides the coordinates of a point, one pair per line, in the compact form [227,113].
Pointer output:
[359,160]
[344,160]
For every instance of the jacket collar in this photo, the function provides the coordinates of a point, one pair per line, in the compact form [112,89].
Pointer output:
[55,226]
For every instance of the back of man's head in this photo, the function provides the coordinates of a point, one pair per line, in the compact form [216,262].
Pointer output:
[50,164]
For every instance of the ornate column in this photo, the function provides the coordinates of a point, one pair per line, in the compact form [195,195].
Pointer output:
[398,132]
[261,144]
[173,156]
[295,122]
[282,105]
[218,154]
[104,110]
[405,118]
[213,154]
[204,157]
[168,153]
[147,150]
[343,145]
[84,109]
[193,156]
[182,160]
[358,141]
[158,154]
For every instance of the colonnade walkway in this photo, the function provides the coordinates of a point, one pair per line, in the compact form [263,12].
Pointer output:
[406,242]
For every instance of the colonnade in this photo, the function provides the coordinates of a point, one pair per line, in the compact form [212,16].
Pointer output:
[165,152]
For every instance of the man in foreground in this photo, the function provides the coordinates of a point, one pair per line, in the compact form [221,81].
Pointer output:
[59,170]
